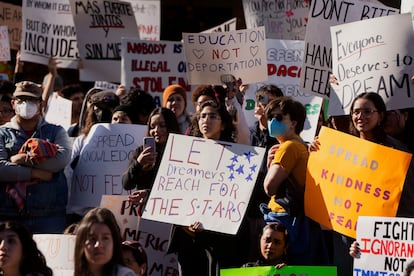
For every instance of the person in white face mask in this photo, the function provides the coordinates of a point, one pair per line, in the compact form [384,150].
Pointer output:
[33,155]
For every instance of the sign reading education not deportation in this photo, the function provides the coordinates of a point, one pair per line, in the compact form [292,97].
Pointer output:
[367,57]
[386,244]
[204,180]
[239,53]
[350,177]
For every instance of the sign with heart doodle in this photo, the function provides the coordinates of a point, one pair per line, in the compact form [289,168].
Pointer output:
[240,53]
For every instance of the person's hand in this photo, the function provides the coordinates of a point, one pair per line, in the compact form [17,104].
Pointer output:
[197,226]
[19,158]
[52,66]
[138,197]
[354,250]
[333,79]
[147,158]
[279,266]
[271,154]
[314,145]
[41,174]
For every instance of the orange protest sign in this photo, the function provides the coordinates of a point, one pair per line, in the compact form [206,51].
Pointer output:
[350,177]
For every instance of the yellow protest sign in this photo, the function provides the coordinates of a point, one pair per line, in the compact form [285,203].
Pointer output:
[350,177]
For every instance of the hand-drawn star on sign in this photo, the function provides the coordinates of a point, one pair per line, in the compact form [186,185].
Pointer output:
[238,167]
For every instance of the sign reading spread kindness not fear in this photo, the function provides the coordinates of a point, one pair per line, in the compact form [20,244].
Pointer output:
[350,177]
[204,180]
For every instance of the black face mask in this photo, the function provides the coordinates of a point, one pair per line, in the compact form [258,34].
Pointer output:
[103,115]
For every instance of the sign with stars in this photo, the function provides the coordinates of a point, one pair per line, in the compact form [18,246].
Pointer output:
[204,180]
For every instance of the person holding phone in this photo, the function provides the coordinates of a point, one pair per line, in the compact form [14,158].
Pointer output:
[145,160]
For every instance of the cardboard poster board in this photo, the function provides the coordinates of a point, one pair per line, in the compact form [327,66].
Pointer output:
[11,16]
[204,180]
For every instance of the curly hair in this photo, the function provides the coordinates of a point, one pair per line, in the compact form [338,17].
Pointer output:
[33,261]
[104,216]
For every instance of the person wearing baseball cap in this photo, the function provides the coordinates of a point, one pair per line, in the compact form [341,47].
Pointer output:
[42,206]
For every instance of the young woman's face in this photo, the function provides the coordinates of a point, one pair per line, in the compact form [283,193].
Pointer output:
[11,251]
[176,103]
[99,246]
[272,245]
[158,129]
[130,262]
[210,123]
[365,116]
[201,100]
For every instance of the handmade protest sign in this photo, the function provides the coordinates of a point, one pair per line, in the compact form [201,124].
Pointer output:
[154,237]
[100,25]
[323,14]
[407,6]
[11,16]
[284,60]
[350,177]
[49,31]
[286,270]
[367,57]
[126,214]
[4,44]
[148,18]
[58,250]
[282,19]
[239,53]
[227,26]
[153,65]
[386,244]
[104,85]
[204,180]
[59,111]
[102,161]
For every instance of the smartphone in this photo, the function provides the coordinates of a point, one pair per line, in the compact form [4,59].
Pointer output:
[149,142]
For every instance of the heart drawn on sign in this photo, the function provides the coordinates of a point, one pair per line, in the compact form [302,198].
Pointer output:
[254,50]
[198,53]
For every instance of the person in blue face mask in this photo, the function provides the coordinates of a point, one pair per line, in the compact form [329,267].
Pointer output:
[285,183]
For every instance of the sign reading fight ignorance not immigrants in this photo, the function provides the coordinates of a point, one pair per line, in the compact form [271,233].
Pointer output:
[317,62]
[386,244]
[367,57]
[204,180]
[103,159]
[283,19]
[350,177]
[49,31]
[153,65]
[100,25]
[240,53]
[286,270]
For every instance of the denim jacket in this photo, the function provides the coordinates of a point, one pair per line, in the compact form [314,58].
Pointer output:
[47,197]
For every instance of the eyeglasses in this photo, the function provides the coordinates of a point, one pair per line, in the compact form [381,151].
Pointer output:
[22,100]
[6,111]
[278,117]
[212,116]
[367,112]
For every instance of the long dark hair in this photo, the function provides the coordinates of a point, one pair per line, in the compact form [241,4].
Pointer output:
[104,216]
[169,118]
[33,261]
[229,131]
[378,130]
